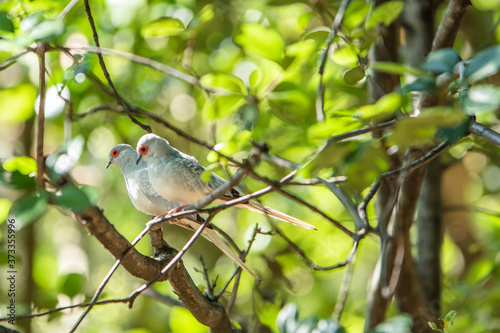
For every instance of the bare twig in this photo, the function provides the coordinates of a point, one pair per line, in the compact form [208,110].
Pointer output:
[238,271]
[448,29]
[431,154]
[346,282]
[146,62]
[66,9]
[484,132]
[210,286]
[361,131]
[63,308]
[117,97]
[348,204]
[171,264]
[320,98]
[40,162]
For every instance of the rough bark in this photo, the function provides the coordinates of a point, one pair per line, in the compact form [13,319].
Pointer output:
[209,313]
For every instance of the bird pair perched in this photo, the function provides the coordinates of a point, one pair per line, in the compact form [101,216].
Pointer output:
[160,180]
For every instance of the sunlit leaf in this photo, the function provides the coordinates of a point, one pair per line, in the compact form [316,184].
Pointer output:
[181,320]
[442,61]
[383,109]
[30,207]
[24,164]
[395,68]
[481,98]
[354,75]
[268,74]
[71,284]
[47,30]
[265,42]
[5,206]
[16,179]
[225,81]
[333,126]
[486,5]
[355,14]
[163,26]
[21,99]
[483,65]
[220,106]
[384,13]
[346,56]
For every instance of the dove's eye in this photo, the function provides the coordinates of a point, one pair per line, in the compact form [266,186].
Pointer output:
[115,153]
[143,150]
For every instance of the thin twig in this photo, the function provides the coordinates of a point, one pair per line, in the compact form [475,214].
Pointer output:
[108,276]
[419,162]
[320,98]
[117,97]
[172,262]
[67,9]
[210,286]
[63,308]
[484,132]
[40,162]
[346,282]
[361,131]
[5,64]
[238,271]
[348,204]
[146,62]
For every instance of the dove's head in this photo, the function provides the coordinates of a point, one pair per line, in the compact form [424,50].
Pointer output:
[122,155]
[152,146]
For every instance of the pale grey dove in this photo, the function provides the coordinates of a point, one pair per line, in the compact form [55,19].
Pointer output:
[148,201]
[176,176]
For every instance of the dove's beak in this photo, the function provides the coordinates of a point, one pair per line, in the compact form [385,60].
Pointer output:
[139,159]
[109,163]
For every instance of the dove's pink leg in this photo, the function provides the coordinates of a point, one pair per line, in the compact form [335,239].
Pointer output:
[170,212]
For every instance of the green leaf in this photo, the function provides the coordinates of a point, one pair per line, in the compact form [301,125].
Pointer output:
[163,26]
[346,56]
[401,323]
[383,109]
[206,176]
[225,81]
[268,75]
[384,13]
[354,75]
[292,106]
[71,284]
[434,326]
[5,206]
[450,316]
[265,42]
[421,84]
[24,164]
[6,23]
[220,106]
[21,99]
[481,98]
[355,14]
[47,30]
[395,68]
[16,179]
[442,61]
[483,65]
[486,5]
[421,130]
[333,126]
[73,198]
[29,207]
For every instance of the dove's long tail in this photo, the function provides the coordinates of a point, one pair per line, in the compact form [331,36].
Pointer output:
[214,238]
[257,207]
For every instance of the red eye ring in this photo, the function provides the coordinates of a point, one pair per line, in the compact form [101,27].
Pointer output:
[115,153]
[143,150]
